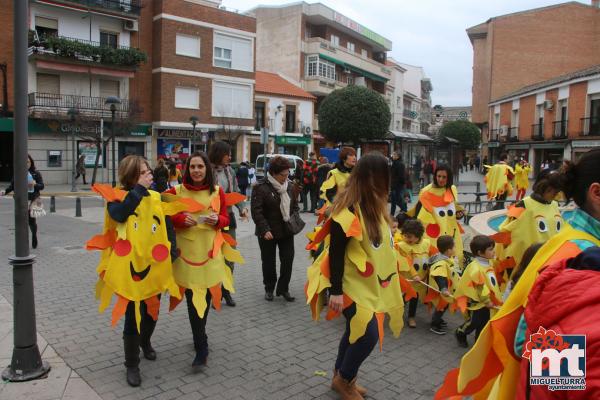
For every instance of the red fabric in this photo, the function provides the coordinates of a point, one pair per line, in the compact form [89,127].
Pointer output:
[178,219]
[568,302]
[310,171]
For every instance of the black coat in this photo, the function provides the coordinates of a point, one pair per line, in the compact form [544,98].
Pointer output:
[265,210]
[397,171]
[37,187]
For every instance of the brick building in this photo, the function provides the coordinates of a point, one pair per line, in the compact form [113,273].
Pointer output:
[520,49]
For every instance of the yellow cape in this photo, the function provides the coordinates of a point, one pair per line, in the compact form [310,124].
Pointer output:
[496,180]
[522,176]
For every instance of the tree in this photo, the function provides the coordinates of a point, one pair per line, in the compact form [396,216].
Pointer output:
[465,132]
[352,114]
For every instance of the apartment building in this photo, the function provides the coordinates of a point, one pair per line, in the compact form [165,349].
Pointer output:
[81,53]
[199,84]
[321,49]
[395,94]
[524,48]
[554,120]
[416,100]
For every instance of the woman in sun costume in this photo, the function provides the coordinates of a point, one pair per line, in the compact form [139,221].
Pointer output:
[522,170]
[360,269]
[203,248]
[336,179]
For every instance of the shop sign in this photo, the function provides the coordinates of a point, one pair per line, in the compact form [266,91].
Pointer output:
[292,140]
[355,26]
[173,148]
[180,133]
[493,144]
[89,150]
[585,143]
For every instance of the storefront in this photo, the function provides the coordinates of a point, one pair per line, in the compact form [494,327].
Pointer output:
[180,143]
[6,149]
[292,144]
[580,147]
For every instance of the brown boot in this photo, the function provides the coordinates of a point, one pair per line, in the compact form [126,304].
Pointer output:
[346,389]
[361,390]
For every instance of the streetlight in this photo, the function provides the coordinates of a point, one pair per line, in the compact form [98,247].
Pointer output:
[72,113]
[194,122]
[26,363]
[113,101]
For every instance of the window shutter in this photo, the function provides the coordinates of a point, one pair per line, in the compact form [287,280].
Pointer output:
[109,88]
[46,23]
[48,83]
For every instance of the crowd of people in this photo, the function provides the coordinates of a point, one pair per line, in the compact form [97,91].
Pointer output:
[367,262]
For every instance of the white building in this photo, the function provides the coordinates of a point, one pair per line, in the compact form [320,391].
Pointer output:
[416,100]
[395,94]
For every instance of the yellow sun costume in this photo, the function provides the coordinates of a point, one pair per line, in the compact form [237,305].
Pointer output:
[336,179]
[497,180]
[416,257]
[522,176]
[490,370]
[437,209]
[135,263]
[477,286]
[203,250]
[526,223]
[370,277]
[447,268]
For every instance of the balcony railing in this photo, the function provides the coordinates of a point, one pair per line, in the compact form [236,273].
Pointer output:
[590,126]
[537,132]
[123,6]
[412,114]
[513,134]
[559,129]
[59,104]
[494,135]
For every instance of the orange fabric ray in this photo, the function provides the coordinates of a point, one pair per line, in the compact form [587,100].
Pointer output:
[430,296]
[229,239]
[218,243]
[461,303]
[323,232]
[174,301]
[441,304]
[502,238]
[407,289]
[101,242]
[430,200]
[380,318]
[108,192]
[506,263]
[233,198]
[193,205]
[334,314]
[215,292]
[152,307]
[355,229]
[313,307]
[119,309]
[514,211]
[325,267]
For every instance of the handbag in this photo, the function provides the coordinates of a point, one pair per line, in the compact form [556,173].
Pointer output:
[295,223]
[36,208]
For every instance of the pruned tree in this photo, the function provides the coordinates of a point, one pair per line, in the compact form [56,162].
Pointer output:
[467,133]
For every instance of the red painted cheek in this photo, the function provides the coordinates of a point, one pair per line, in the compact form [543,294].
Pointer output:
[122,247]
[160,252]
[433,230]
[368,270]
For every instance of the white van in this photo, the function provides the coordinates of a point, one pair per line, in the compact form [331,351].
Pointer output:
[296,162]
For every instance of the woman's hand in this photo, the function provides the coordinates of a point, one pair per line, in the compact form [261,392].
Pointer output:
[336,302]
[244,215]
[268,236]
[145,179]
[212,219]
[416,278]
[189,220]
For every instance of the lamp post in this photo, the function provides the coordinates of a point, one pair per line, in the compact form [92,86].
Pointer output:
[194,122]
[26,363]
[72,113]
[112,101]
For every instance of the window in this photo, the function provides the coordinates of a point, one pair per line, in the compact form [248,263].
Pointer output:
[335,40]
[312,65]
[316,66]
[350,46]
[109,88]
[189,46]
[398,102]
[48,83]
[514,119]
[233,52]
[290,118]
[350,80]
[46,27]
[109,39]
[259,115]
[232,100]
[364,53]
[187,98]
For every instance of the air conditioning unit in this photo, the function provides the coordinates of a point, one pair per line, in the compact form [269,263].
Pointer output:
[503,130]
[347,71]
[131,26]
[548,105]
[306,130]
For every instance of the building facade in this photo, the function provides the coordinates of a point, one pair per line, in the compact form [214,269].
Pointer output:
[416,100]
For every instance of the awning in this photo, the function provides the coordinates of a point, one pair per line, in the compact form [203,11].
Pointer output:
[353,68]
[6,124]
[411,136]
[516,147]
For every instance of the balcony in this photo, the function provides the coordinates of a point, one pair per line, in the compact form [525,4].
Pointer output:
[321,86]
[410,114]
[125,7]
[537,132]
[590,126]
[494,135]
[559,129]
[52,105]
[361,65]
[513,134]
[82,51]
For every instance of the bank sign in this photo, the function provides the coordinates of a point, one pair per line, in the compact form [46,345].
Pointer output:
[355,26]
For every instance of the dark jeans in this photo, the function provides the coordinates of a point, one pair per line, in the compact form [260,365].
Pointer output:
[269,267]
[351,356]
[500,200]
[243,189]
[32,226]
[198,324]
[398,199]
[476,322]
[412,306]
[147,324]
[312,191]
[436,318]
[78,175]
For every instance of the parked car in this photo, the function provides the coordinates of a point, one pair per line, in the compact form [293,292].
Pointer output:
[296,162]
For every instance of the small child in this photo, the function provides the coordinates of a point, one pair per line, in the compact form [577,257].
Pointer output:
[477,290]
[416,251]
[443,277]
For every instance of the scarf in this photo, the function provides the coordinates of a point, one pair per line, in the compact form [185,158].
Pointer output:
[284,204]
[227,185]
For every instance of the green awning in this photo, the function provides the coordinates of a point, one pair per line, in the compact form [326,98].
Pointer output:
[6,124]
[360,71]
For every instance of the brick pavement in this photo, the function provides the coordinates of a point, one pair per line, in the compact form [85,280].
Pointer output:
[258,350]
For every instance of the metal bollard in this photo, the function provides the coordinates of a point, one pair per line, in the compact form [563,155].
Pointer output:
[78,206]
[52,204]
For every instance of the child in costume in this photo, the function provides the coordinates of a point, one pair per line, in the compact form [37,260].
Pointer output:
[360,270]
[137,249]
[498,181]
[477,290]
[522,170]
[337,178]
[444,275]
[203,248]
[416,250]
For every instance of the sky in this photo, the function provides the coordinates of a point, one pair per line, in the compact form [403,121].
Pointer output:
[429,33]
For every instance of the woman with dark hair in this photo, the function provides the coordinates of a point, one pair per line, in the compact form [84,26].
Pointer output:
[220,157]
[339,175]
[272,205]
[360,270]
[35,184]
[161,176]
[548,280]
[438,209]
[197,234]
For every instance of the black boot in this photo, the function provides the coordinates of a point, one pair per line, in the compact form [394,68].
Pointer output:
[34,242]
[147,328]
[228,299]
[131,344]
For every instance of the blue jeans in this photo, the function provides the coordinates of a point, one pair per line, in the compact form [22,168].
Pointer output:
[398,194]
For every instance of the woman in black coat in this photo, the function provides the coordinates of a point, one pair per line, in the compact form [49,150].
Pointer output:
[35,184]
[272,205]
